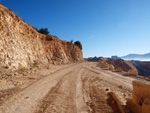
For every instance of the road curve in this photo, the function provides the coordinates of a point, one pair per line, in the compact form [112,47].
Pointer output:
[79,88]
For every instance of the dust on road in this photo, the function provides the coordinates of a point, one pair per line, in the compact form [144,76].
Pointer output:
[77,88]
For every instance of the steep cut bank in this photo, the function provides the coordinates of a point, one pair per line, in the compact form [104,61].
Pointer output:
[21,45]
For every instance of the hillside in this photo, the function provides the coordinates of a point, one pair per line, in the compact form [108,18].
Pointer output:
[142,57]
[30,82]
[22,45]
[125,65]
[142,67]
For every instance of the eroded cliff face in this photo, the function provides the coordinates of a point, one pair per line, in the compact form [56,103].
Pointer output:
[21,45]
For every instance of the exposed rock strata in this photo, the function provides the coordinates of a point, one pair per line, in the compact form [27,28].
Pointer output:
[21,45]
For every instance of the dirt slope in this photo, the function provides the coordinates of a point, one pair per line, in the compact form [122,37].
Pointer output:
[75,88]
[125,65]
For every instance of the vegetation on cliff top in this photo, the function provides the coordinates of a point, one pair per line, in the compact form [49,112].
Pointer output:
[44,31]
[78,43]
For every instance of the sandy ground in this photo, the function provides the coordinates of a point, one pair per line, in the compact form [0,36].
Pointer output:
[73,88]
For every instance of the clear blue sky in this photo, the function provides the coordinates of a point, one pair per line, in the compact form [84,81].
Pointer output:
[104,27]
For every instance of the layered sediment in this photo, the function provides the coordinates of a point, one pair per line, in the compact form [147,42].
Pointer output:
[21,45]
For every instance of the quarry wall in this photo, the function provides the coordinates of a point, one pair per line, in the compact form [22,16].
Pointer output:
[21,45]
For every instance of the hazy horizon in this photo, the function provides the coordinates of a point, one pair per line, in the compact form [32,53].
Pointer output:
[119,56]
[105,28]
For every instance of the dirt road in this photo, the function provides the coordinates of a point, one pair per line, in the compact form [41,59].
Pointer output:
[76,88]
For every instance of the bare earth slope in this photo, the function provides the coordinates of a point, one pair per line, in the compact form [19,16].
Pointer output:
[74,88]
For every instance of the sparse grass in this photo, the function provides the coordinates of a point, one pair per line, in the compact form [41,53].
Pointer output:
[22,69]
[35,64]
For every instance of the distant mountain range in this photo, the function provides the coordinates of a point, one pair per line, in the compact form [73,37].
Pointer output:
[136,57]
[140,57]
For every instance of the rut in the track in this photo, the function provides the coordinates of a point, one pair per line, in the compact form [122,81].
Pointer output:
[75,89]
[27,100]
[79,91]
[95,93]
[61,99]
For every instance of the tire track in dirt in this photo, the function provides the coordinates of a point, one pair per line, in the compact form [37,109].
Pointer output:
[27,100]
[51,96]
[116,79]
[95,94]
[80,99]
[8,93]
[61,99]
[76,89]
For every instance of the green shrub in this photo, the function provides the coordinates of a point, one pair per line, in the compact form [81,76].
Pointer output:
[44,31]
[78,43]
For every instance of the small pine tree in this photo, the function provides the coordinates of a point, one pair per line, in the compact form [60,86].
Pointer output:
[78,43]
[44,31]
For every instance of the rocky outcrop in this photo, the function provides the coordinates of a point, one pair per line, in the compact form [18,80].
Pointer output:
[111,67]
[125,65]
[140,102]
[119,69]
[132,72]
[132,67]
[104,64]
[21,45]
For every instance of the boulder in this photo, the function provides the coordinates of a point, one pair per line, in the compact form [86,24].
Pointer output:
[111,67]
[132,72]
[119,69]
[141,91]
[104,64]
[140,102]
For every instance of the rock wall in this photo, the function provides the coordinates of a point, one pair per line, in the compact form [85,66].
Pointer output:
[132,72]
[141,91]
[21,45]
[140,102]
